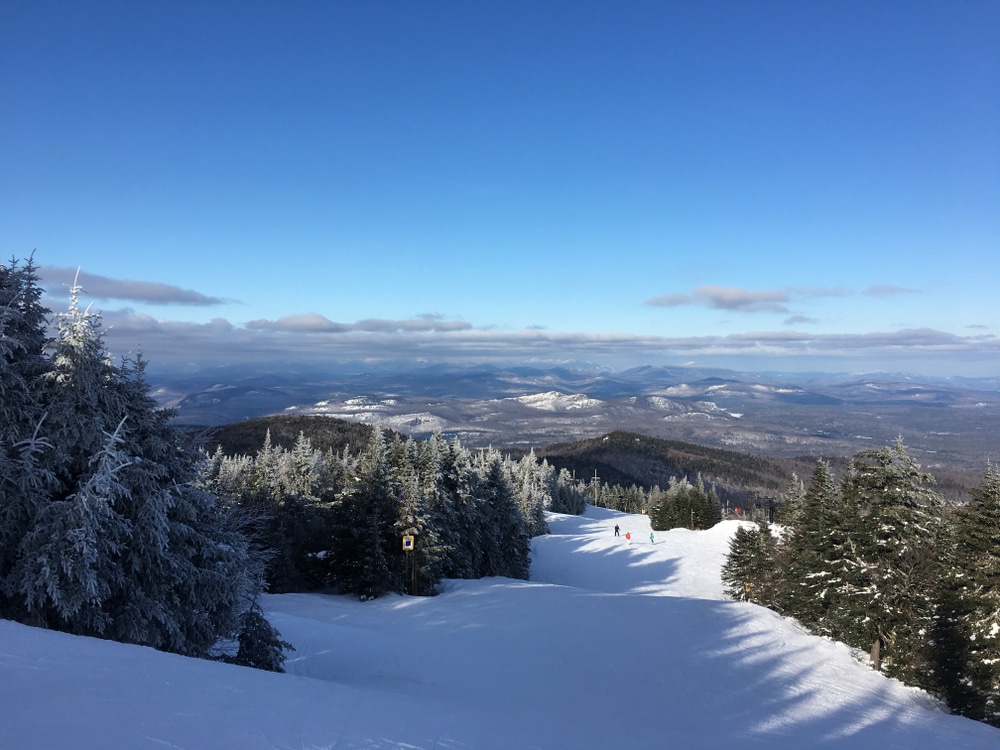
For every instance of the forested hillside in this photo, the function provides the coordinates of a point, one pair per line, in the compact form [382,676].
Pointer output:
[246,437]
[626,458]
[618,458]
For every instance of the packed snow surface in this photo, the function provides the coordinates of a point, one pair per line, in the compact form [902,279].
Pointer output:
[614,643]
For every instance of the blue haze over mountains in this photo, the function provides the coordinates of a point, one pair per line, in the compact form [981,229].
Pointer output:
[946,422]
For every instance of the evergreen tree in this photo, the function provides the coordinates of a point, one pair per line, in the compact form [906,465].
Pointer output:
[813,569]
[260,646]
[748,573]
[567,495]
[895,569]
[790,510]
[684,505]
[531,484]
[120,542]
[425,560]
[967,630]
[26,475]
[459,513]
[69,567]
[506,547]
[366,555]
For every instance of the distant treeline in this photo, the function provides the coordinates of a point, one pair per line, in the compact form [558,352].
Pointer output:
[325,434]
[398,515]
[627,458]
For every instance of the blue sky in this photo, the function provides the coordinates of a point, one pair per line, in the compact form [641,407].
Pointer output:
[756,185]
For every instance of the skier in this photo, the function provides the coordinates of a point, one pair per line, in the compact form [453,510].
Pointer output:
[628,536]
[616,529]
[651,540]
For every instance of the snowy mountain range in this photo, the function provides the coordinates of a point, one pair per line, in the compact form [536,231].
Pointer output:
[946,422]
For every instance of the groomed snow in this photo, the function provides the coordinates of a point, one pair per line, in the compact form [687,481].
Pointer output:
[612,644]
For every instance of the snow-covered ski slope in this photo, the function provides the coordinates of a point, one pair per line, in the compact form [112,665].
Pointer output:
[612,644]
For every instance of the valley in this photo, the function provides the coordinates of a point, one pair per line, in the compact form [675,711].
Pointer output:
[948,424]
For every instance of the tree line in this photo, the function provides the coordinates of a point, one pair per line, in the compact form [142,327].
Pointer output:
[684,504]
[877,561]
[626,458]
[338,521]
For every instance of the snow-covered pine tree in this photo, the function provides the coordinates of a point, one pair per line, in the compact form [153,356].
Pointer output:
[460,514]
[122,543]
[366,557]
[789,512]
[424,561]
[259,644]
[967,631]
[895,556]
[569,495]
[531,479]
[811,574]
[69,565]
[748,573]
[506,544]
[25,473]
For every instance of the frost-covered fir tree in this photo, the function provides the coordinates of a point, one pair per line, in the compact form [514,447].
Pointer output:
[424,559]
[532,480]
[967,630]
[366,556]
[460,518]
[25,474]
[69,567]
[506,544]
[567,494]
[895,558]
[122,543]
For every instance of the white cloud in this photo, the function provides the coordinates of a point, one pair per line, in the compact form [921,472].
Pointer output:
[727,298]
[57,283]
[311,338]
[888,290]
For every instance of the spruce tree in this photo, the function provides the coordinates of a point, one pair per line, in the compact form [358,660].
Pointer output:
[967,631]
[506,546]
[26,471]
[748,573]
[120,542]
[425,559]
[531,484]
[366,555]
[811,574]
[789,512]
[895,553]
[459,513]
